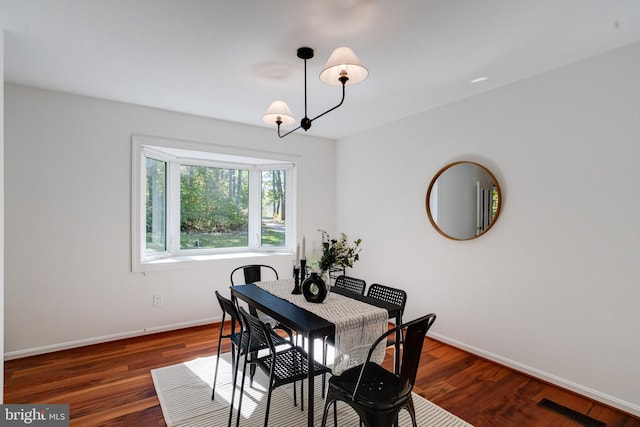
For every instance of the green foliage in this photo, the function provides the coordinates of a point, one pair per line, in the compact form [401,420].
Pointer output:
[338,251]
[271,236]
[213,200]
[217,240]
[273,197]
[155,192]
[214,206]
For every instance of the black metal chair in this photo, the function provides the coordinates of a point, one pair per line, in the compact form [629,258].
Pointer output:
[376,394]
[388,294]
[392,295]
[284,366]
[252,273]
[240,345]
[351,284]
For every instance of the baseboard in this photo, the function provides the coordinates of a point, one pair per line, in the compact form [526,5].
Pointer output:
[590,393]
[105,338]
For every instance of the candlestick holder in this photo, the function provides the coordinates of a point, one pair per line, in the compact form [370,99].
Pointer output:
[296,278]
[303,269]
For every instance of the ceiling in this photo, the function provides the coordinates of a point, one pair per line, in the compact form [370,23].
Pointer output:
[229,59]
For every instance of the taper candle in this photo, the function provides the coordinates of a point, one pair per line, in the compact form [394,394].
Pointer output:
[304,247]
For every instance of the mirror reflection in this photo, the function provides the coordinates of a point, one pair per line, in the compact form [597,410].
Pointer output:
[463,200]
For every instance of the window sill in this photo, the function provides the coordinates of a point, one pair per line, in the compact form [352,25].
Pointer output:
[200,261]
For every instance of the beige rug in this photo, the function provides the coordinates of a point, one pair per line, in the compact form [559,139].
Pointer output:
[184,391]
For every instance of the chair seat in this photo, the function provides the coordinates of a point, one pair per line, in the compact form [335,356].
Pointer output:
[378,389]
[291,365]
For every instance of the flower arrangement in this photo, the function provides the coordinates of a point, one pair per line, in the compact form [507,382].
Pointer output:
[338,251]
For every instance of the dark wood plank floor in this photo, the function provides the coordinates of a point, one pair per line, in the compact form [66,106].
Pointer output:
[110,384]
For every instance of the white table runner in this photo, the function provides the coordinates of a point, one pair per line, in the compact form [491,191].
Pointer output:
[357,323]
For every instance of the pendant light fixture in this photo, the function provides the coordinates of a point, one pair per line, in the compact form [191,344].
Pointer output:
[343,68]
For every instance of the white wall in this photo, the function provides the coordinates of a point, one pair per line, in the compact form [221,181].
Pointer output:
[2,216]
[68,200]
[552,289]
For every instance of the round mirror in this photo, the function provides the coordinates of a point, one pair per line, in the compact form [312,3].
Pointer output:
[463,200]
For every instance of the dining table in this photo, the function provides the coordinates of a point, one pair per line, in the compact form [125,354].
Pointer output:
[295,313]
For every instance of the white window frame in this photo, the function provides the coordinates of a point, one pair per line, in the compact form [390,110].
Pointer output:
[174,152]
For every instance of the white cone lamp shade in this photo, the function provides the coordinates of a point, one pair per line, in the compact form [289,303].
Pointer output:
[343,60]
[279,110]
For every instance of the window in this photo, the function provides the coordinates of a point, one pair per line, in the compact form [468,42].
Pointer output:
[214,207]
[195,201]
[156,206]
[273,207]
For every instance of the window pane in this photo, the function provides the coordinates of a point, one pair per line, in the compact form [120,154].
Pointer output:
[214,207]
[273,208]
[156,207]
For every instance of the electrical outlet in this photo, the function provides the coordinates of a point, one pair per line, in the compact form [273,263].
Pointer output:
[157,300]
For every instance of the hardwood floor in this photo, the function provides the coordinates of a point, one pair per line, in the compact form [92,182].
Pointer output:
[110,384]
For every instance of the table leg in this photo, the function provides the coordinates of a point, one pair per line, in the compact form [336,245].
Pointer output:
[310,374]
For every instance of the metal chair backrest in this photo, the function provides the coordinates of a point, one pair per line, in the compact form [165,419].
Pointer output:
[258,331]
[230,309]
[351,284]
[392,295]
[413,341]
[388,294]
[412,350]
[252,273]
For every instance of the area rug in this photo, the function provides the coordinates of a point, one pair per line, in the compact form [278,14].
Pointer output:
[184,391]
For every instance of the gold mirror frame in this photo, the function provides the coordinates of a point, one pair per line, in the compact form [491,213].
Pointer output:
[493,204]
